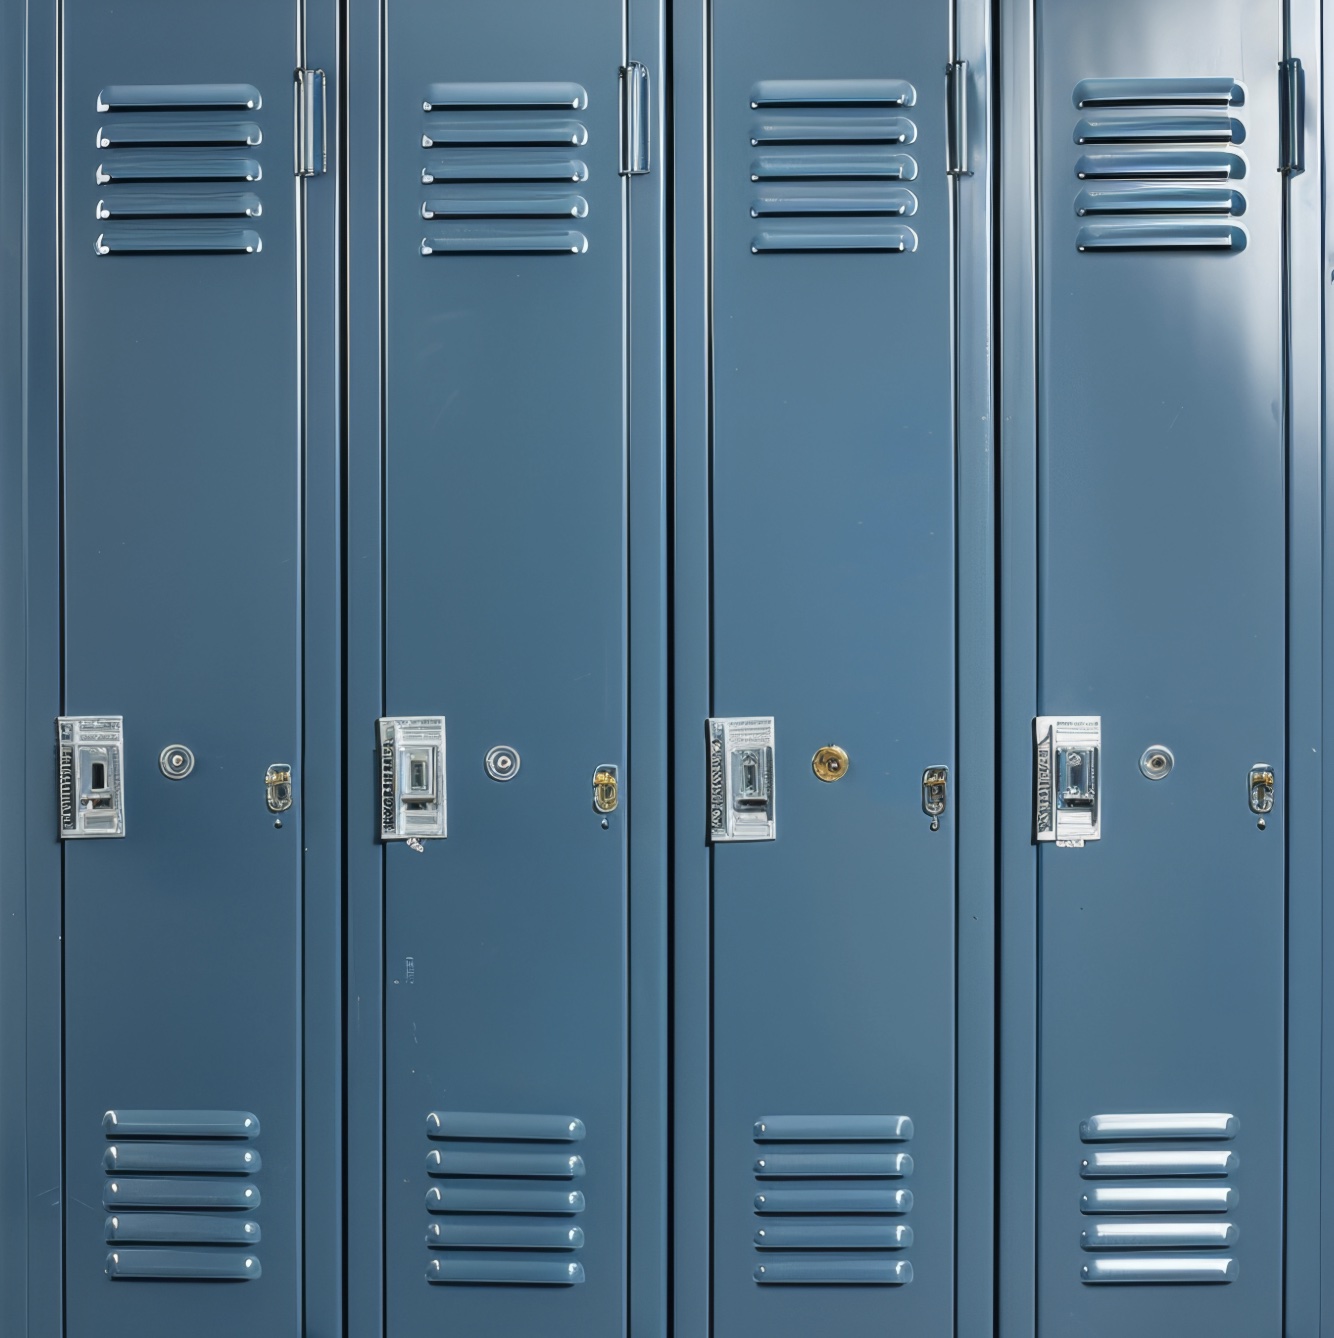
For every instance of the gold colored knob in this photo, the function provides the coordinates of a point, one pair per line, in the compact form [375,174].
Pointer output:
[830,763]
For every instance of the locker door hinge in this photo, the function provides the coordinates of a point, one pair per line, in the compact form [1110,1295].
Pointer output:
[312,133]
[634,120]
[956,99]
[1291,119]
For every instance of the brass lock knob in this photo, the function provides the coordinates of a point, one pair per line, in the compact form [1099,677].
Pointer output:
[830,763]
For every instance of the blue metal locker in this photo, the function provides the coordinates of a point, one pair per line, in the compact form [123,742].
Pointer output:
[825,622]
[182,532]
[514,136]
[1161,646]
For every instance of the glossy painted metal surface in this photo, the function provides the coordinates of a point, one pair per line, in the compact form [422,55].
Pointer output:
[183,406]
[1161,381]
[829,451]
[507,251]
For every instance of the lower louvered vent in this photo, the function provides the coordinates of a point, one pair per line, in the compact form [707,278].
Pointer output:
[828,165]
[181,1192]
[1161,1188]
[829,1193]
[1161,164]
[502,1198]
[503,170]
[177,170]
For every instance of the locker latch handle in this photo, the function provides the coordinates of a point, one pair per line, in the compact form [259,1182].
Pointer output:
[935,793]
[1262,788]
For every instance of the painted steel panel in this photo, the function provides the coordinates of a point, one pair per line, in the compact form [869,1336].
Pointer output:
[182,561]
[506,250]
[833,611]
[1162,608]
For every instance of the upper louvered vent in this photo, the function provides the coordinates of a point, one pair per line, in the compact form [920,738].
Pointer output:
[181,1178]
[1160,163]
[826,1210]
[503,168]
[500,1213]
[177,168]
[829,157]
[1160,1174]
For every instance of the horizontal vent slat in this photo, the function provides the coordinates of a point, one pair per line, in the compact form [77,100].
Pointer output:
[181,1229]
[494,130]
[132,131]
[1152,164]
[130,1192]
[861,238]
[1159,1199]
[179,97]
[184,1158]
[832,1236]
[847,164]
[223,1266]
[826,1271]
[1215,129]
[177,165]
[535,1273]
[481,167]
[1167,1124]
[539,203]
[503,1127]
[836,128]
[479,1200]
[833,92]
[499,242]
[180,1124]
[506,1165]
[1161,200]
[822,200]
[1158,1235]
[1202,1162]
[182,202]
[1160,235]
[833,1128]
[154,239]
[462,97]
[503,1236]
[1160,1268]
[1195,92]
[829,1165]
[874,1201]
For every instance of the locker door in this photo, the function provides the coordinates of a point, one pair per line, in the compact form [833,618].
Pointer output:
[182,455]
[832,469]
[505,613]
[1161,610]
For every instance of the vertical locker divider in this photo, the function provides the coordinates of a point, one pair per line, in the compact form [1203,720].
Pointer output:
[1306,420]
[692,259]
[360,112]
[975,789]
[1016,1162]
[322,764]
[648,1245]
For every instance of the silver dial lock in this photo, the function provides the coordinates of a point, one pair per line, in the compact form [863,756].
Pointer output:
[502,762]
[176,761]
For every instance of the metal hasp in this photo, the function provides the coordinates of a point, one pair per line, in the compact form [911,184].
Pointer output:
[956,105]
[312,123]
[412,778]
[92,772]
[741,779]
[935,793]
[278,787]
[1260,786]
[606,788]
[634,120]
[1068,808]
[1291,119]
